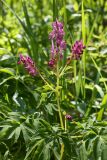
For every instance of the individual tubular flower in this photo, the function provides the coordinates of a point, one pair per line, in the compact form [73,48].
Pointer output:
[28,64]
[56,37]
[77,50]
[68,117]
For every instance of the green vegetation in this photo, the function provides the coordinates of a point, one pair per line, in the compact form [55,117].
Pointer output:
[59,112]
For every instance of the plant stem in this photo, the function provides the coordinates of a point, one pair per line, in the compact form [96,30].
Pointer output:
[62,151]
[62,72]
[46,82]
[58,104]
[58,96]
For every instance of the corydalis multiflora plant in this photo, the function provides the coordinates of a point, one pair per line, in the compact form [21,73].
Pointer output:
[57,48]
[58,44]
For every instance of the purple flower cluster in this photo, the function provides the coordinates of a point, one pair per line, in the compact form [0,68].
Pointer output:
[58,44]
[77,50]
[28,64]
[68,117]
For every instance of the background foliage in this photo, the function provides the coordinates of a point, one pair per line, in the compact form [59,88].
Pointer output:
[29,122]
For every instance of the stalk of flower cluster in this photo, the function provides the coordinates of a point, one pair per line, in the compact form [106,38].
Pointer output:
[46,82]
[58,92]
[65,124]
[58,96]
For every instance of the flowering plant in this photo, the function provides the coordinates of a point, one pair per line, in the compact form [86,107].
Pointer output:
[58,45]
[53,99]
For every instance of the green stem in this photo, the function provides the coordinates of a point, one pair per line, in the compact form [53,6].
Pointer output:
[58,96]
[62,151]
[62,72]
[75,74]
[59,110]
[46,82]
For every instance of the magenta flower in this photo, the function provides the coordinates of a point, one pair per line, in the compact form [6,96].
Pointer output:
[56,37]
[68,117]
[51,63]
[28,64]
[77,50]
